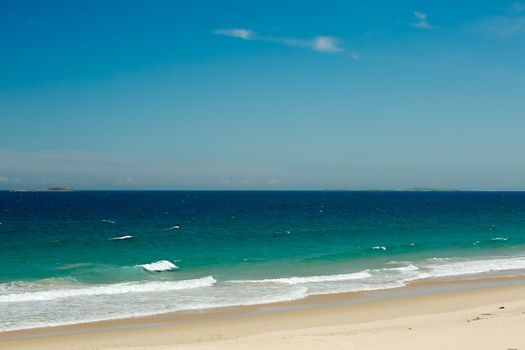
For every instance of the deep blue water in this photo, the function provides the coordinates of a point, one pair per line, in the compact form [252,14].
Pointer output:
[58,250]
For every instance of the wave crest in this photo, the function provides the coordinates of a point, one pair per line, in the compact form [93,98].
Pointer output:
[111,289]
[159,266]
[312,279]
[120,238]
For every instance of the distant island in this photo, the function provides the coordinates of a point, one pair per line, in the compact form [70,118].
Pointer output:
[411,189]
[429,189]
[49,189]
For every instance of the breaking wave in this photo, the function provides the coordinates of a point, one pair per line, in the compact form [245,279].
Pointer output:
[159,266]
[111,289]
[312,279]
[120,238]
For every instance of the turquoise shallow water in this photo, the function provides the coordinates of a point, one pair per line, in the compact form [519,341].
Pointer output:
[92,255]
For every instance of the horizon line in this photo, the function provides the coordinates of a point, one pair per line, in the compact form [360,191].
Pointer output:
[262,190]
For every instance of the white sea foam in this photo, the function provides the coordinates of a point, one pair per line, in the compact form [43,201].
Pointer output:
[176,227]
[393,277]
[500,239]
[110,289]
[469,267]
[159,266]
[407,268]
[439,259]
[399,262]
[31,316]
[312,279]
[38,285]
[449,267]
[363,287]
[120,238]
[379,248]
[108,221]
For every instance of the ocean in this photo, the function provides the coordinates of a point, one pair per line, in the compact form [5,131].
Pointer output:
[84,256]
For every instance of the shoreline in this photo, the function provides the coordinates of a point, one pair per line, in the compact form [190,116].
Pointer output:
[419,299]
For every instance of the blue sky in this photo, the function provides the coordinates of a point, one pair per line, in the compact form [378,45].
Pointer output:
[262,94]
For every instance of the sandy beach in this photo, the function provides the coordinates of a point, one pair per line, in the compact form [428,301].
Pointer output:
[488,317]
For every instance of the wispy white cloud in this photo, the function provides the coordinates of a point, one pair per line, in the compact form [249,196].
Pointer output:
[355,55]
[273,182]
[320,43]
[502,27]
[516,7]
[326,44]
[130,181]
[4,180]
[421,21]
[239,33]
[88,170]
[510,23]
[63,166]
